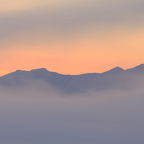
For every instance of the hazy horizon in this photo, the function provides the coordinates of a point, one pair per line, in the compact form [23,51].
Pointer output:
[93,89]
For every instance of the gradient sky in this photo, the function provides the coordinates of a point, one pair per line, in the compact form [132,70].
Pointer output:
[71,37]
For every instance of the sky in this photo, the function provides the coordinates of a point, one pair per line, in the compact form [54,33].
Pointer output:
[71,37]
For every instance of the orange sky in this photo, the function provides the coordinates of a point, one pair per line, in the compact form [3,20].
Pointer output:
[71,37]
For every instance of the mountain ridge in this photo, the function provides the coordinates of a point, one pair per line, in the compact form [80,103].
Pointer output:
[141,66]
[116,78]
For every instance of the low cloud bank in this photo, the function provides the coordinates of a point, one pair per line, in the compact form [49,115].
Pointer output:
[39,115]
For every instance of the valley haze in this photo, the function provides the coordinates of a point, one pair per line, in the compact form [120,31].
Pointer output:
[43,107]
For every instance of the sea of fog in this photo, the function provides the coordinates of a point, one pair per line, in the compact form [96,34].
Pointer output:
[38,114]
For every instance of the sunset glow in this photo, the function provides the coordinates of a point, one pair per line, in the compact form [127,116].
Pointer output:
[71,37]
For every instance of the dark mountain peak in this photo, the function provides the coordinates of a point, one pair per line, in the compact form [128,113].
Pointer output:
[137,69]
[18,70]
[40,70]
[115,70]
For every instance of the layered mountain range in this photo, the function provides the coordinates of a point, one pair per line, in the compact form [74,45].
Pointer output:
[116,78]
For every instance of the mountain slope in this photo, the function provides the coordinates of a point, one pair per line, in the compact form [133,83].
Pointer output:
[116,78]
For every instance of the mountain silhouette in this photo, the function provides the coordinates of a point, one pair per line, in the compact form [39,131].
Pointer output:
[116,78]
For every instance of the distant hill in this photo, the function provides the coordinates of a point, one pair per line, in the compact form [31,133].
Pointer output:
[116,78]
